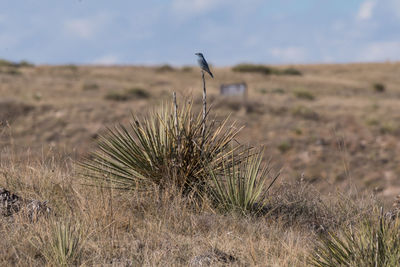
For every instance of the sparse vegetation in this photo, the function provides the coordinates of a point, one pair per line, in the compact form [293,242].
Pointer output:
[388,127]
[284,146]
[278,91]
[372,121]
[165,68]
[133,93]
[187,69]
[263,91]
[304,112]
[11,71]
[90,86]
[379,87]
[303,94]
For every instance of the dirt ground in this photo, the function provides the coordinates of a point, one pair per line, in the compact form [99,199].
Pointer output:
[332,125]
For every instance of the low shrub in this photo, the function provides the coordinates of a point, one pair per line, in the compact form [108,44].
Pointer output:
[253,68]
[7,63]
[284,146]
[138,93]
[265,69]
[23,63]
[133,93]
[116,96]
[291,71]
[379,87]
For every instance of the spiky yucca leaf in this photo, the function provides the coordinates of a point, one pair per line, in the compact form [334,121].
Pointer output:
[375,242]
[153,152]
[242,186]
[62,245]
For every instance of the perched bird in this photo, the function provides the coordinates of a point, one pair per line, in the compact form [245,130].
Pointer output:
[203,64]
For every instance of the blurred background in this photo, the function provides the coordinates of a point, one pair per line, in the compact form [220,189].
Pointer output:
[227,32]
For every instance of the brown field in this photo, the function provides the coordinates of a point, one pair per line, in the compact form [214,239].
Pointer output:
[330,127]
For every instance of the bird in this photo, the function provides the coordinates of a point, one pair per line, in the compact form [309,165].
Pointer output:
[203,64]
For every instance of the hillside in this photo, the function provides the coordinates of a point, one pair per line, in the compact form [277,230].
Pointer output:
[329,125]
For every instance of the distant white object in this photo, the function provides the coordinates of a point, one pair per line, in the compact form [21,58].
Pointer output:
[234,89]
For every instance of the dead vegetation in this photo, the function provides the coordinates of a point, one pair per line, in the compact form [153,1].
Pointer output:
[103,226]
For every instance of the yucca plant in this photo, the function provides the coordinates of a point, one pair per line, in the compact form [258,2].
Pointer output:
[375,242]
[62,245]
[163,149]
[243,185]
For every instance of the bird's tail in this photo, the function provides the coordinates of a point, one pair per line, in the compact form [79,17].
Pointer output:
[212,76]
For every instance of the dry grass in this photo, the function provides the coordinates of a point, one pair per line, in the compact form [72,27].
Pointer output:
[127,228]
[120,228]
[124,228]
[65,114]
[347,135]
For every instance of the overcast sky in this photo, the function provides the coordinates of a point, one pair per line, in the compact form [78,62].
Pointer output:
[226,31]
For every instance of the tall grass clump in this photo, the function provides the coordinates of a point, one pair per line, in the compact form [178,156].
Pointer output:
[242,187]
[163,149]
[375,242]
